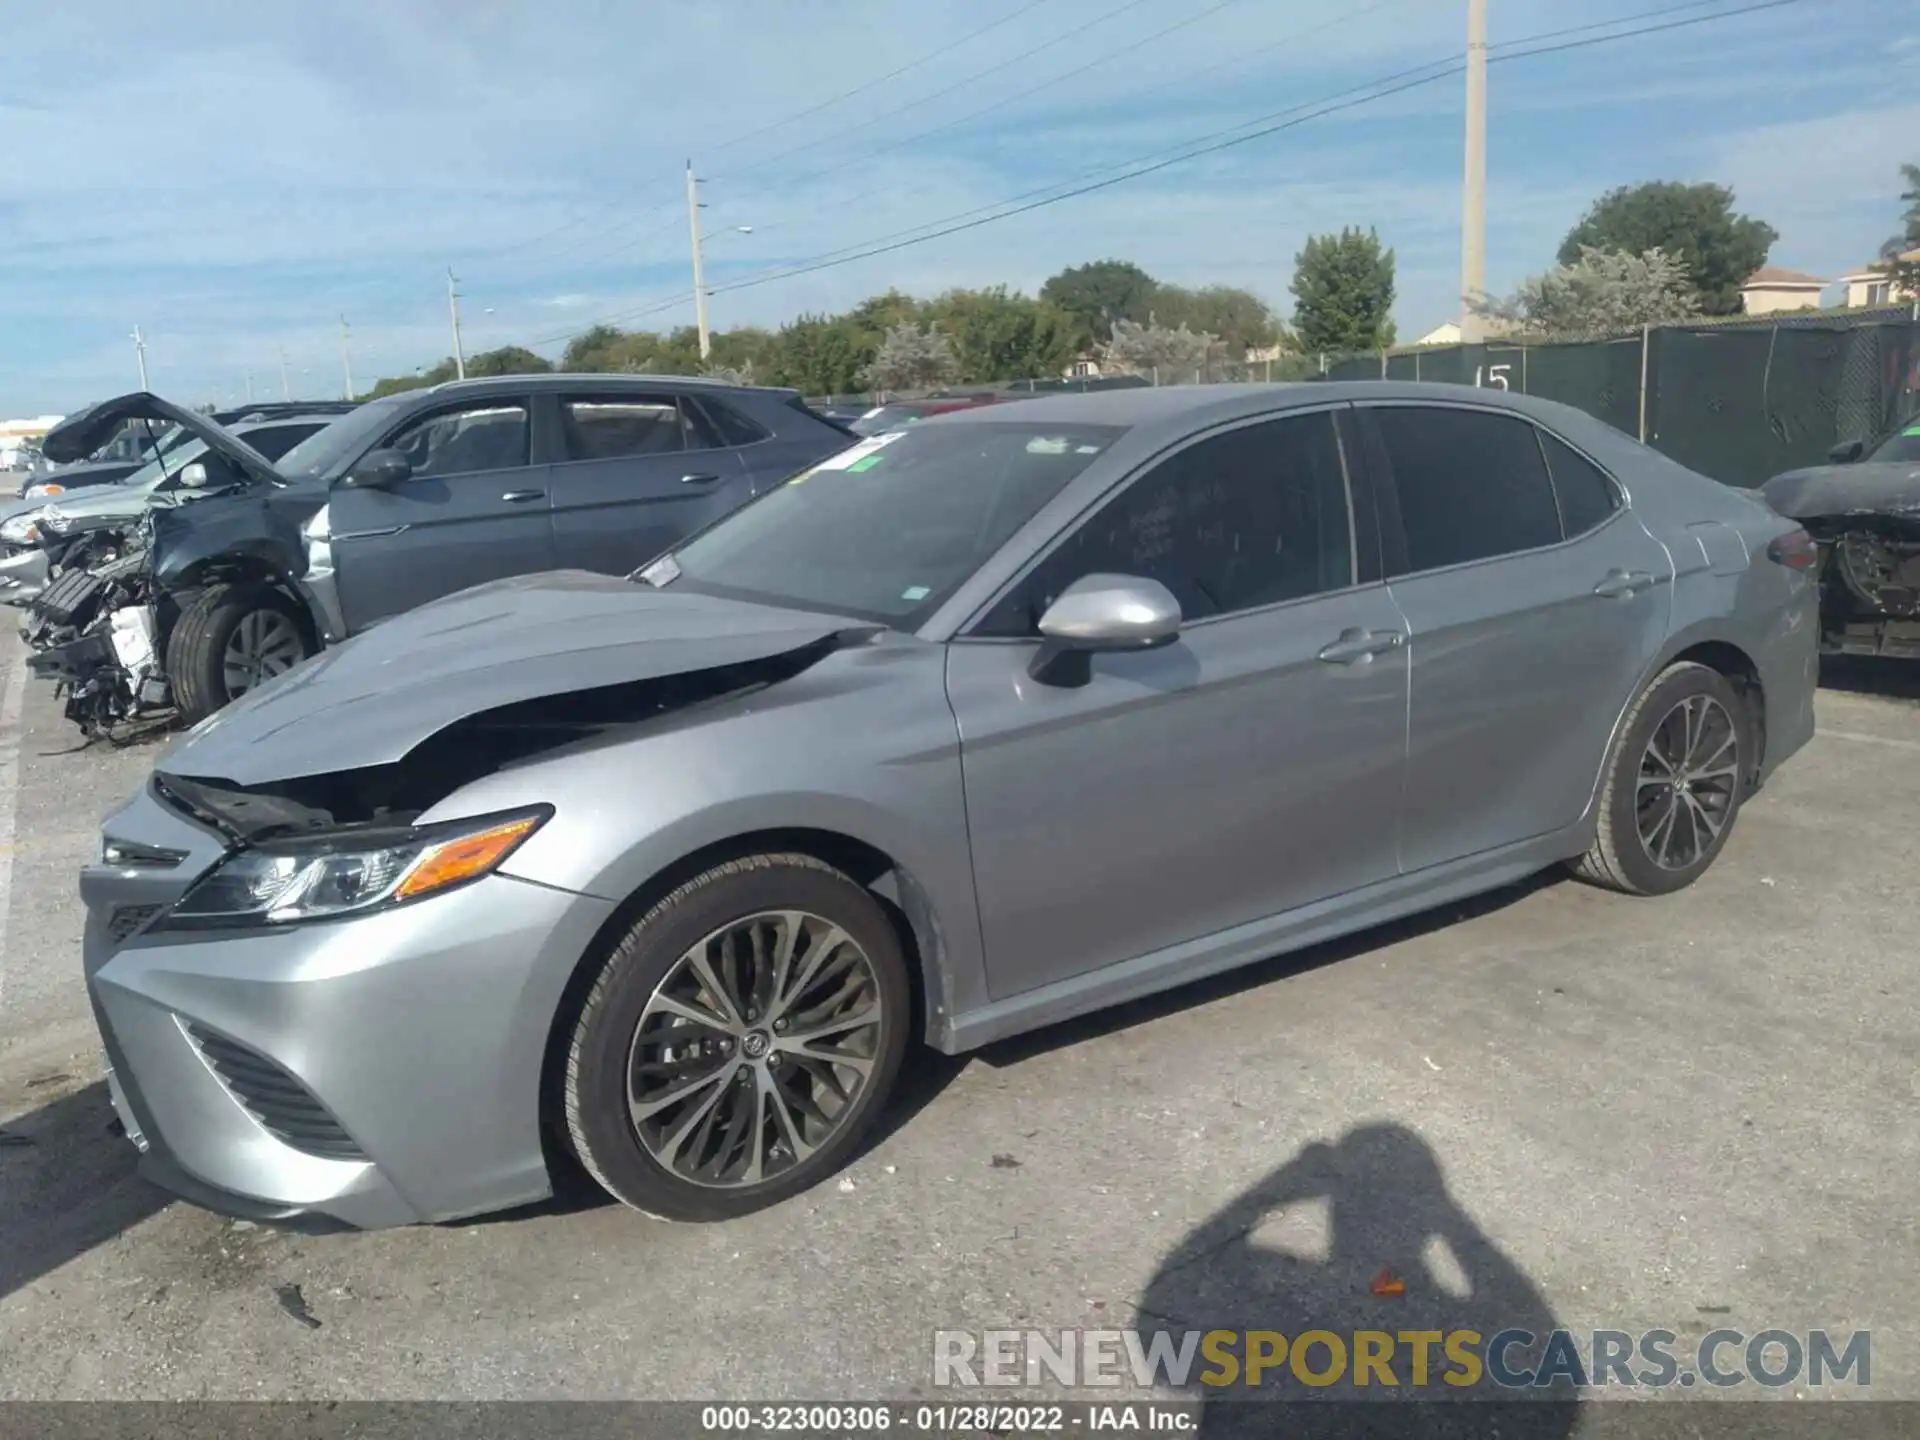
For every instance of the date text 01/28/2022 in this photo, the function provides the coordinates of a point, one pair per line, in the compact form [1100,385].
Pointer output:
[949,1419]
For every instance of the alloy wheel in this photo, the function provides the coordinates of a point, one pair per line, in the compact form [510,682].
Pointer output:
[265,643]
[754,1049]
[1689,779]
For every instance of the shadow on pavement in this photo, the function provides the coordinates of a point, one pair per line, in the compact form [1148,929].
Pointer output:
[1401,1256]
[1871,675]
[69,1188]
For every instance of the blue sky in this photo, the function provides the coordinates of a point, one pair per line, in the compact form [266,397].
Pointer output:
[235,175]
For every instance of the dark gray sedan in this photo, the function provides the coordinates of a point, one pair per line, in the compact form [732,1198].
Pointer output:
[975,726]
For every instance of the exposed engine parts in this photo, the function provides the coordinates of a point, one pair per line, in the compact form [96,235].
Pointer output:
[1881,570]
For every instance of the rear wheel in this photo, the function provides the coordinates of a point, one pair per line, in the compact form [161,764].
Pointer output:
[1673,787]
[739,1041]
[231,639]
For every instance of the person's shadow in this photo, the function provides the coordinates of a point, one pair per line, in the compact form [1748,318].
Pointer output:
[1400,1257]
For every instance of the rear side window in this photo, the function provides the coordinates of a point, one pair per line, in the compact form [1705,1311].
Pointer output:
[620,427]
[1471,485]
[797,403]
[728,425]
[1586,495]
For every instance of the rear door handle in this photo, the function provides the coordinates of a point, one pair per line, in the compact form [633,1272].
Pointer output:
[698,479]
[1624,582]
[1353,646]
[520,497]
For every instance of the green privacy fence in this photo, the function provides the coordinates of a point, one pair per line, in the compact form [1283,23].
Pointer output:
[1740,401]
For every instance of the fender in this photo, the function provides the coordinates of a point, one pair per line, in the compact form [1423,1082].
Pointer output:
[255,532]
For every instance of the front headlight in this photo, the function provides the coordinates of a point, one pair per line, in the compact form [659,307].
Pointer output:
[21,530]
[284,883]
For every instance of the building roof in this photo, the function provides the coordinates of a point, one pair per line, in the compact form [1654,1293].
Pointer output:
[1774,277]
[1872,271]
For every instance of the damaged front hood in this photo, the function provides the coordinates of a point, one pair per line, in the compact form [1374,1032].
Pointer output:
[1862,489]
[372,700]
[85,431]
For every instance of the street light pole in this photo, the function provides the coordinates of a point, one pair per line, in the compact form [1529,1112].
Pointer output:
[1473,198]
[346,354]
[453,309]
[699,285]
[140,353]
[286,386]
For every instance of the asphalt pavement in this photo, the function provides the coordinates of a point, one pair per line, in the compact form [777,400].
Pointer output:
[1682,1113]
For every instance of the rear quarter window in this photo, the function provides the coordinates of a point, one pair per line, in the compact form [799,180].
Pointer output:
[1584,492]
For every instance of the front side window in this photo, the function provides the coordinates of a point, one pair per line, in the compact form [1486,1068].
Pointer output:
[1471,485]
[890,527]
[482,436]
[1247,518]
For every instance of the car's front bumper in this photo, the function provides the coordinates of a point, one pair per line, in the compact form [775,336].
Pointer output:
[378,1071]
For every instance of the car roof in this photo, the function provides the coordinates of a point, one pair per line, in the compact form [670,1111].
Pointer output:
[261,422]
[560,379]
[1181,407]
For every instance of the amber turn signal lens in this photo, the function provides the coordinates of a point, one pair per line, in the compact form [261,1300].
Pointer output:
[463,859]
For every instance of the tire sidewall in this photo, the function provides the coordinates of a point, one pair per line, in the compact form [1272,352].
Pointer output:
[211,622]
[1668,691]
[596,1099]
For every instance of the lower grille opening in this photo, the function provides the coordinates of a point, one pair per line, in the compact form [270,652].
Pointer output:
[129,918]
[287,1109]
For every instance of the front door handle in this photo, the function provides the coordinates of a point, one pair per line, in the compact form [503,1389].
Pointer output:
[1353,646]
[1624,582]
[698,479]
[520,497]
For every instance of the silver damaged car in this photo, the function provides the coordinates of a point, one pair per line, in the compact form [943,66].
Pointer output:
[972,727]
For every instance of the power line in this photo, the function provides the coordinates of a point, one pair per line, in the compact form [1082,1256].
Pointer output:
[1205,145]
[962,84]
[786,120]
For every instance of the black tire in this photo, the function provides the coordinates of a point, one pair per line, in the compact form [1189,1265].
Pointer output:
[1622,856]
[196,650]
[596,1088]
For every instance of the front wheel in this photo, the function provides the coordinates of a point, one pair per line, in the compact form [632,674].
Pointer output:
[231,639]
[1673,785]
[738,1041]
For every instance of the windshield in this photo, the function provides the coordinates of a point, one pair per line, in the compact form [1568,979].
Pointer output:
[889,528]
[340,443]
[173,455]
[1903,448]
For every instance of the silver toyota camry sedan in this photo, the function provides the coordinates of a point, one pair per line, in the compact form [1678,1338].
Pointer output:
[977,725]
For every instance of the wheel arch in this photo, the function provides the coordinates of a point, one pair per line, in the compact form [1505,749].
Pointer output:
[905,901]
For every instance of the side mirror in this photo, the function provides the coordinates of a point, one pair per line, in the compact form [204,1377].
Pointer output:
[1846,452]
[1102,613]
[194,476]
[379,470]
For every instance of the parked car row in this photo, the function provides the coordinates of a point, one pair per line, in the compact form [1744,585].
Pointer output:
[961,729]
[238,553]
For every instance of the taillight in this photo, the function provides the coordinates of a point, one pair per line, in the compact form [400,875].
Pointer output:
[1795,550]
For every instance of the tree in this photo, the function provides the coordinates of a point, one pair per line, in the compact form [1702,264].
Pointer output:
[822,355]
[507,360]
[998,334]
[911,357]
[1343,292]
[432,375]
[1695,224]
[1097,294]
[1602,293]
[1905,274]
[1241,319]
[1170,355]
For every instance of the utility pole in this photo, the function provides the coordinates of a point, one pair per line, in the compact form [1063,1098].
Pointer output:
[346,354]
[286,386]
[249,387]
[453,309]
[140,353]
[1473,206]
[699,285]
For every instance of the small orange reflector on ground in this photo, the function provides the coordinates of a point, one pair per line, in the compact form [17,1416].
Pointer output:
[1386,1285]
[462,859]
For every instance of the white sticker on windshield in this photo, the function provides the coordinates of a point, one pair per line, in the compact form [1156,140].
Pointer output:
[1046,445]
[915,592]
[846,458]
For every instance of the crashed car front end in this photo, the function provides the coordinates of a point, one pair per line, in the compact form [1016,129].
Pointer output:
[1865,517]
